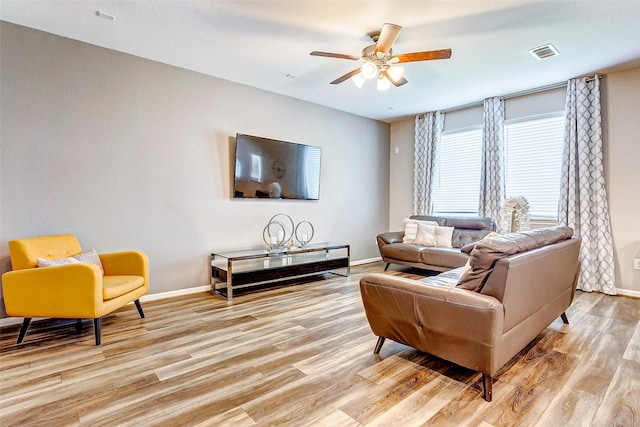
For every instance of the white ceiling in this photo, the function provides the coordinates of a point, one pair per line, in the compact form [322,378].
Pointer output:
[263,43]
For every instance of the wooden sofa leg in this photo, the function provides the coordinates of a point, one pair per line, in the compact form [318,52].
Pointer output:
[78,325]
[487,384]
[139,307]
[23,330]
[387,266]
[564,318]
[96,329]
[379,345]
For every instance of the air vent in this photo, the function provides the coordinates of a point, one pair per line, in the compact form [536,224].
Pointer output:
[544,52]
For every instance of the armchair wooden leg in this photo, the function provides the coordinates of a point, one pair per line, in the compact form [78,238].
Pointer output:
[487,384]
[78,325]
[379,345]
[139,307]
[387,266]
[96,329]
[564,318]
[23,330]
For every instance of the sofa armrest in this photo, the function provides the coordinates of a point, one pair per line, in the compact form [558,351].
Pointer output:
[131,263]
[457,325]
[65,291]
[390,237]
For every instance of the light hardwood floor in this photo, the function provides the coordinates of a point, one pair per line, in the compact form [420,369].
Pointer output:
[303,355]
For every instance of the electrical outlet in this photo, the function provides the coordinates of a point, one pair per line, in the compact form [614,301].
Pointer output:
[636,264]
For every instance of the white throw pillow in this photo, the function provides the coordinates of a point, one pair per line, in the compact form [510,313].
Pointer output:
[43,262]
[89,257]
[411,229]
[430,235]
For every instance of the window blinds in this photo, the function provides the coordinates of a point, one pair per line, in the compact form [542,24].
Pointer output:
[457,183]
[533,157]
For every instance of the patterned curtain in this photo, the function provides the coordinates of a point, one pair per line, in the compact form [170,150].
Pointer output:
[492,187]
[428,128]
[583,199]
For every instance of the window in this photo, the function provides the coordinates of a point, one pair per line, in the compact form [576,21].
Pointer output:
[457,185]
[533,158]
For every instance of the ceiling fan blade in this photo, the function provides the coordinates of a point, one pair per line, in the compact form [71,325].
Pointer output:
[387,37]
[397,83]
[334,55]
[346,76]
[423,56]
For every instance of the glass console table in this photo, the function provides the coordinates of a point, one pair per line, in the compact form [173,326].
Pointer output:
[245,268]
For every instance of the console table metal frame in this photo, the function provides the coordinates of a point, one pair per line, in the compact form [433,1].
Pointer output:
[264,266]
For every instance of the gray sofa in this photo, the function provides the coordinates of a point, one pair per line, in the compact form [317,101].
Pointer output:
[480,317]
[467,230]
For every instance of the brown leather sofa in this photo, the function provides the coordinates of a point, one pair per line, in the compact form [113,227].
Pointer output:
[517,284]
[466,230]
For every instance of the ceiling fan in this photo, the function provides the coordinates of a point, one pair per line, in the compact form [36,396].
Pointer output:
[379,61]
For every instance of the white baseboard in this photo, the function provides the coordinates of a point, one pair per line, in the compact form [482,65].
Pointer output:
[9,321]
[176,293]
[628,293]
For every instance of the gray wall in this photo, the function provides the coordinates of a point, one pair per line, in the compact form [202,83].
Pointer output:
[621,124]
[128,153]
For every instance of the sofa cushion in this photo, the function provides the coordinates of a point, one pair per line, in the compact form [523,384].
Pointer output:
[487,252]
[439,220]
[462,237]
[448,279]
[470,223]
[403,251]
[433,235]
[444,257]
[114,286]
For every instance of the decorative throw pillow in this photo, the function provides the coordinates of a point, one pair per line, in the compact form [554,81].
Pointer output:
[89,257]
[487,252]
[411,229]
[426,236]
[469,246]
[467,266]
[434,235]
[43,262]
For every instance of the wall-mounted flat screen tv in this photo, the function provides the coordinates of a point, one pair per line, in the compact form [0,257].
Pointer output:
[271,169]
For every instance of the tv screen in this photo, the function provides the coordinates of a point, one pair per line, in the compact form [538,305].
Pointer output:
[270,169]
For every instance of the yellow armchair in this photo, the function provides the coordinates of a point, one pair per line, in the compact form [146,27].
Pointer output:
[78,290]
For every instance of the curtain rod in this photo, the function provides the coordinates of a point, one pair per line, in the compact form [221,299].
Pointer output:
[518,94]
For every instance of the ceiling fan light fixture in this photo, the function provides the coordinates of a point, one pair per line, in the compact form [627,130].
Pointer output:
[358,80]
[383,83]
[379,61]
[369,70]
[395,73]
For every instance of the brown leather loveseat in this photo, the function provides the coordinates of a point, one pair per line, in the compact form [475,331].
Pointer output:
[481,317]
[394,248]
